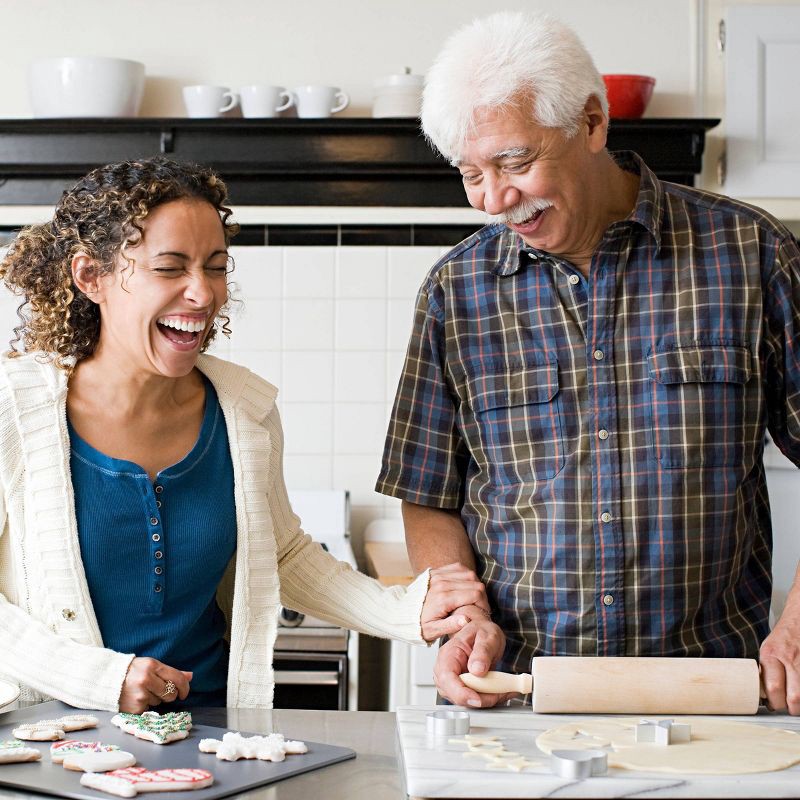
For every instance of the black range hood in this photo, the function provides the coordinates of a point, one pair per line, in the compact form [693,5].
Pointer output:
[298,162]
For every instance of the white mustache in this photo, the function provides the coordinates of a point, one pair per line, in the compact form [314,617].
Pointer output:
[519,213]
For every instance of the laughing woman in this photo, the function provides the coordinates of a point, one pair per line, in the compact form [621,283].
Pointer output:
[146,539]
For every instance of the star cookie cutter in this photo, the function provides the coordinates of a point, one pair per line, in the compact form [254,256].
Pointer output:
[447,723]
[662,732]
[579,764]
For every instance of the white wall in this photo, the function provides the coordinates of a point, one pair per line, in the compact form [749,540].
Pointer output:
[349,43]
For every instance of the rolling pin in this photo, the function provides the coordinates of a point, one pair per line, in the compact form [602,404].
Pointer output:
[631,685]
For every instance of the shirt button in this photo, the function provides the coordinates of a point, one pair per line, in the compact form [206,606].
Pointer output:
[603,433]
[156,537]
[68,614]
[599,355]
[157,587]
[158,554]
[154,520]
[608,599]
[158,504]
[159,489]
[158,570]
[573,279]
[605,516]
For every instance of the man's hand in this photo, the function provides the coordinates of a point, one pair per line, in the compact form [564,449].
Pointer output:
[452,587]
[146,684]
[780,664]
[475,648]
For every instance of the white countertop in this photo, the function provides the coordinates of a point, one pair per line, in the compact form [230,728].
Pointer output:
[437,768]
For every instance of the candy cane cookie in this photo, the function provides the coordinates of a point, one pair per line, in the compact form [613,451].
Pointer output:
[129,782]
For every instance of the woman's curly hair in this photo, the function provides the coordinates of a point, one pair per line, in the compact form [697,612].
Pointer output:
[102,214]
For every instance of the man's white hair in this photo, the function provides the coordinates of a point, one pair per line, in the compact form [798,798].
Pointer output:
[507,60]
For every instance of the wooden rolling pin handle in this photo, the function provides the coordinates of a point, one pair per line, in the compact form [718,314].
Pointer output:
[498,682]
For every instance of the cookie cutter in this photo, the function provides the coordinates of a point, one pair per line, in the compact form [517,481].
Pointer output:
[579,764]
[662,732]
[448,723]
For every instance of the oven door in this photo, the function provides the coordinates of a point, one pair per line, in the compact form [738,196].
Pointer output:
[310,680]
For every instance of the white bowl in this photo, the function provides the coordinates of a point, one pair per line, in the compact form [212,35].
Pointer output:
[85,86]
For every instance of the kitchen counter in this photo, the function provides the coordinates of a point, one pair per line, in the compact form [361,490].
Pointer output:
[436,768]
[388,562]
[372,775]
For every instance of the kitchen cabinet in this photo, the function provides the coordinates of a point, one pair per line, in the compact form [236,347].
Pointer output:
[297,162]
[762,59]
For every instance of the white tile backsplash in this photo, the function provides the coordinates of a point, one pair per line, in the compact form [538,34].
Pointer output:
[308,428]
[361,272]
[256,324]
[361,324]
[359,377]
[308,271]
[307,324]
[258,272]
[307,377]
[407,268]
[399,318]
[359,428]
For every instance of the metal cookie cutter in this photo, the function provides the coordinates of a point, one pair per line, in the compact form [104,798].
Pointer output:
[662,732]
[579,764]
[448,723]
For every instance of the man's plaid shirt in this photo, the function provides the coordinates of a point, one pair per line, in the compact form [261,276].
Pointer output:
[603,438]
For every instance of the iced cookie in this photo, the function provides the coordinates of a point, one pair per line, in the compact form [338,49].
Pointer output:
[100,761]
[128,782]
[13,751]
[47,730]
[155,727]
[234,746]
[70,747]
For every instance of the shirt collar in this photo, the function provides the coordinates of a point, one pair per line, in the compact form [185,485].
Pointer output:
[512,251]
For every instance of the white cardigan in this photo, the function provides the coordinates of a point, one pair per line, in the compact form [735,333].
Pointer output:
[50,641]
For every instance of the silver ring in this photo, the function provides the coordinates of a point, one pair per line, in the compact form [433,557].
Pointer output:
[169,688]
[448,723]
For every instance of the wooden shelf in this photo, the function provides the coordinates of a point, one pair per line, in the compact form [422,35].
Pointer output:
[296,162]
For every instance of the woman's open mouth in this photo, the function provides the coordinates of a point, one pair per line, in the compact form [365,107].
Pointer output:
[182,333]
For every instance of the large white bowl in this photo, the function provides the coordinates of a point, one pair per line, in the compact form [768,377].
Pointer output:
[85,86]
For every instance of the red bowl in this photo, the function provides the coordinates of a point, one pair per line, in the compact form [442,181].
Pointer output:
[628,95]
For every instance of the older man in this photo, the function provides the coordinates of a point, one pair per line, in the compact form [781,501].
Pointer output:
[589,382]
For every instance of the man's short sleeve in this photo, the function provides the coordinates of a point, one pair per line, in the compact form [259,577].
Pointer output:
[782,312]
[423,449]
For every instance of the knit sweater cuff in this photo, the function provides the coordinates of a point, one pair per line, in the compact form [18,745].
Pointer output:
[416,592]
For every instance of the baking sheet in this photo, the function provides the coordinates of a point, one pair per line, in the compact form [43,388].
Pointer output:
[229,777]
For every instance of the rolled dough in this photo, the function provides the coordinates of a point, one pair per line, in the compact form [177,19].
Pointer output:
[717,747]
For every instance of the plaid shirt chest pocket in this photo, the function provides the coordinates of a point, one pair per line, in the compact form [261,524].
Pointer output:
[701,407]
[512,419]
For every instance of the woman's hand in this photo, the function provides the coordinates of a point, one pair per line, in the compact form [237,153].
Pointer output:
[451,588]
[150,683]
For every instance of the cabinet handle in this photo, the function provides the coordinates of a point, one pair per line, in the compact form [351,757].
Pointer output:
[289,677]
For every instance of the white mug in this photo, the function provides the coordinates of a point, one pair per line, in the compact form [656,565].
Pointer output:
[318,101]
[264,101]
[208,101]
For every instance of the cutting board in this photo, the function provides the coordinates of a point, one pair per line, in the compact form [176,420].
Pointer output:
[437,768]
[229,777]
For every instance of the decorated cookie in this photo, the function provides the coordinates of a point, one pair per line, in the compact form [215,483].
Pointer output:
[100,761]
[14,751]
[234,746]
[76,722]
[155,727]
[69,747]
[47,730]
[128,782]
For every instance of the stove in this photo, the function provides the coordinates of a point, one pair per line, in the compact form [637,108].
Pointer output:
[316,662]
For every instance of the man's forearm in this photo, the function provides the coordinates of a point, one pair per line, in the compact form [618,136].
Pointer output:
[435,537]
